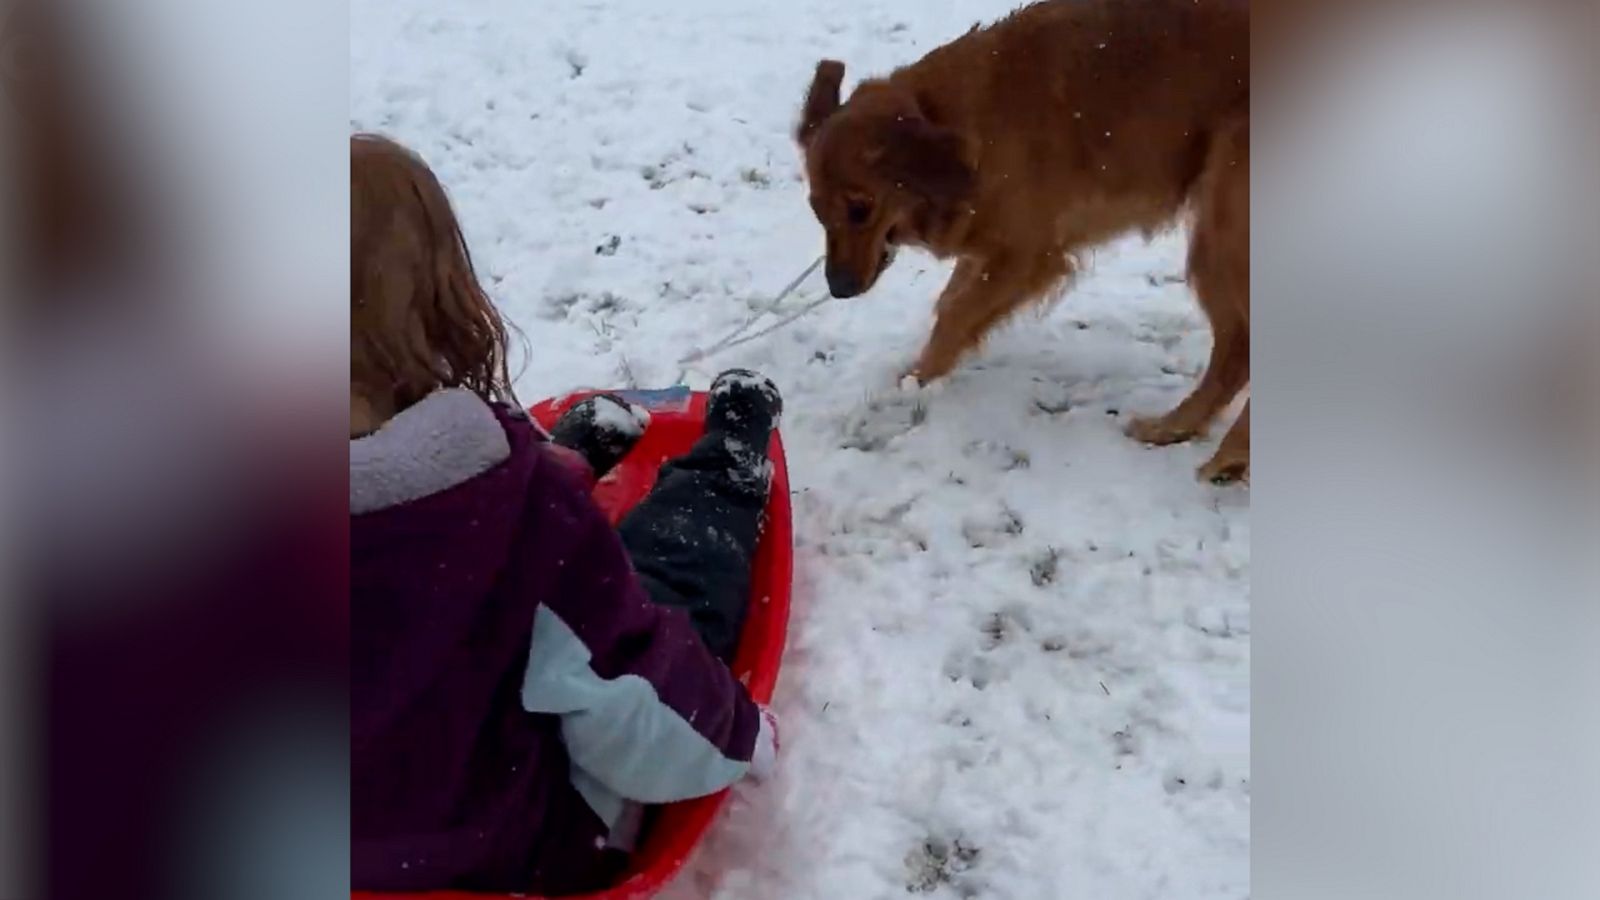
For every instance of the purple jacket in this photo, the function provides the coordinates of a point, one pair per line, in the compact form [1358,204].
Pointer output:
[515,691]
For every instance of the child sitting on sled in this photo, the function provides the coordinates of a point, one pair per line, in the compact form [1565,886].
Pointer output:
[523,675]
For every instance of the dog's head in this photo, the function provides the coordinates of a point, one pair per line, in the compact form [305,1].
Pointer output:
[877,167]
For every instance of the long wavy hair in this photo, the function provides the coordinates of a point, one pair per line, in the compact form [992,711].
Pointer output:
[419,319]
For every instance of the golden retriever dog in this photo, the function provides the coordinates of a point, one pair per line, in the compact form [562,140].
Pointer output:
[1014,147]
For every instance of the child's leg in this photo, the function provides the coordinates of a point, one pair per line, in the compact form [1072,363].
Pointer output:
[693,539]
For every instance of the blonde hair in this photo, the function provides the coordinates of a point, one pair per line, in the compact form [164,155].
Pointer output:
[419,319]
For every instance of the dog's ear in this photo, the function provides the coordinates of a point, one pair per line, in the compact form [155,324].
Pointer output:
[821,100]
[928,160]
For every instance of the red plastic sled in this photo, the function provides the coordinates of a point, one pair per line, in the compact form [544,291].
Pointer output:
[677,418]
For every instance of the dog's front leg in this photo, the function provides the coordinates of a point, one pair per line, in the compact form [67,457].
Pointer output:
[950,325]
[980,294]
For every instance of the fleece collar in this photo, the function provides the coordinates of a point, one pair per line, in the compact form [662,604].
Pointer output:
[444,439]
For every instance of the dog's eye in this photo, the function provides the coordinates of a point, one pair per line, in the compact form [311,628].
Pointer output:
[858,212]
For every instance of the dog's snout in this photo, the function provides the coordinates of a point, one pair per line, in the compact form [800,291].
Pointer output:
[842,282]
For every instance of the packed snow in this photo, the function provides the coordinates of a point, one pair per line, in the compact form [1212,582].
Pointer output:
[1019,654]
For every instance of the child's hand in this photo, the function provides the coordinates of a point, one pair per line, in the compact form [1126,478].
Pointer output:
[764,760]
[602,428]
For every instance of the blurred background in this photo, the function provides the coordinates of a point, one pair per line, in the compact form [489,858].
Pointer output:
[1426,599]
[1424,494]
[174,635]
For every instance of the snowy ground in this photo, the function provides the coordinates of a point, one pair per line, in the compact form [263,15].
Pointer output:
[1019,658]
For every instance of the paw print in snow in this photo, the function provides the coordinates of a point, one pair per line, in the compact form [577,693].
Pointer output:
[577,62]
[1000,627]
[1044,568]
[1125,742]
[1000,456]
[982,533]
[882,422]
[938,861]
[973,669]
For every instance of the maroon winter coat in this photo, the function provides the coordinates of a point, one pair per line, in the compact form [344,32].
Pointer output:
[515,693]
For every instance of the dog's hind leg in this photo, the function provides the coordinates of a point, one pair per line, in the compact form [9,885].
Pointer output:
[979,296]
[1231,462]
[1227,372]
[1219,271]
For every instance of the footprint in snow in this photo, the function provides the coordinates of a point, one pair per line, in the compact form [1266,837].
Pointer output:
[1000,627]
[937,862]
[976,670]
[997,455]
[1045,567]
[992,531]
[883,420]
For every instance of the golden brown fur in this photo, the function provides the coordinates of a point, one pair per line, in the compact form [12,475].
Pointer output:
[1062,126]
[419,319]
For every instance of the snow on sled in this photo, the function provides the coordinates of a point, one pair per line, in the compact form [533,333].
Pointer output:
[677,418]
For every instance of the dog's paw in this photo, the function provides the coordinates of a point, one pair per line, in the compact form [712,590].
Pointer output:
[914,380]
[1159,430]
[932,366]
[1225,469]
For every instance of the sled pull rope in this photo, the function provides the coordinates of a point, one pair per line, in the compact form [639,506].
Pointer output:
[739,337]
